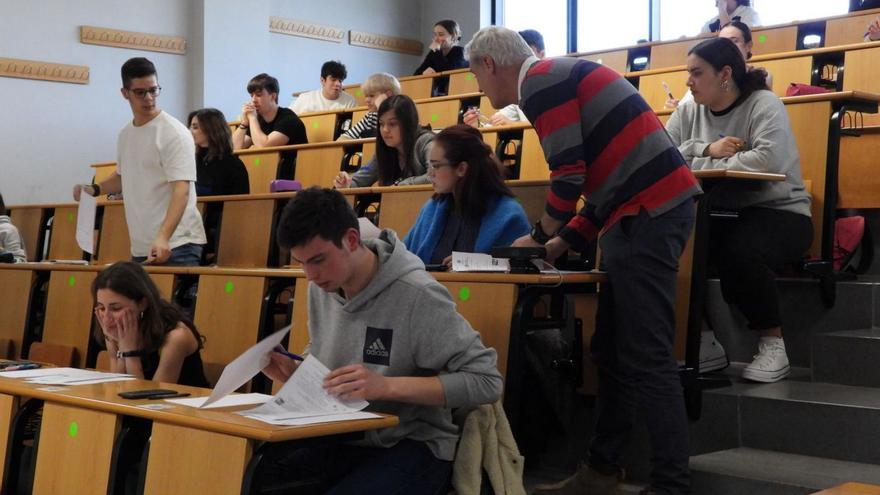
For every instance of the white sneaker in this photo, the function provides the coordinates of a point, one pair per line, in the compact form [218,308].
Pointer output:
[770,364]
[712,355]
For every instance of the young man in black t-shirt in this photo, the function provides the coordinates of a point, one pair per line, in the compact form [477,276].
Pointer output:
[264,123]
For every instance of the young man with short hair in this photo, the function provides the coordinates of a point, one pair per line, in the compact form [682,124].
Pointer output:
[330,96]
[264,123]
[391,335]
[156,174]
[604,143]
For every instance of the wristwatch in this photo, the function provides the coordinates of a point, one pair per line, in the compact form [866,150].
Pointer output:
[538,234]
[125,354]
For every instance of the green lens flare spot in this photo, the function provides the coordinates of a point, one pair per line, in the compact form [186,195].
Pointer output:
[434,117]
[762,38]
[70,217]
[229,287]
[314,125]
[73,429]
[464,293]
[359,93]
[469,77]
[71,281]
[256,162]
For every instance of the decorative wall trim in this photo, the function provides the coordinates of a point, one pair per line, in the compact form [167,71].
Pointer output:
[382,42]
[129,39]
[45,71]
[306,29]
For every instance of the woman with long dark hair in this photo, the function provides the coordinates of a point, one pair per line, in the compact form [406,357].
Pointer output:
[736,123]
[732,10]
[218,171]
[145,335]
[472,210]
[401,148]
[444,52]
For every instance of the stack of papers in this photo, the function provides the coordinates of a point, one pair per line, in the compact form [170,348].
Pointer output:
[478,262]
[65,376]
[303,401]
[228,401]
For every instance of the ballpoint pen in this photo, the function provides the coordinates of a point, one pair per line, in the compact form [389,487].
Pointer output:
[168,396]
[296,357]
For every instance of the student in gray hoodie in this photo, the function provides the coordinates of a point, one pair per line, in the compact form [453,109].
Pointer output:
[391,335]
[10,240]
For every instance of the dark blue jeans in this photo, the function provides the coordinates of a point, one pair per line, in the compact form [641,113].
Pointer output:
[185,255]
[406,468]
[633,343]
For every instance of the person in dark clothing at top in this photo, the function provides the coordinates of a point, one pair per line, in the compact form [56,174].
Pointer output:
[218,171]
[444,53]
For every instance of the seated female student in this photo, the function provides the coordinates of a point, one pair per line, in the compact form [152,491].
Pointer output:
[741,36]
[444,53]
[10,240]
[736,123]
[145,335]
[732,10]
[376,89]
[472,210]
[401,149]
[218,171]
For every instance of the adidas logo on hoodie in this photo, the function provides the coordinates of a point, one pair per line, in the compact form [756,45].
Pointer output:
[377,346]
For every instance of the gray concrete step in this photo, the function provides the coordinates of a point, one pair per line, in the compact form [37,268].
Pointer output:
[762,472]
[848,357]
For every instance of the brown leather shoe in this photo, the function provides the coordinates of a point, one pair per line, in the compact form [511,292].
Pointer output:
[585,481]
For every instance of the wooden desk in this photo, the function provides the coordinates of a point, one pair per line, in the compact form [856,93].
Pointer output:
[192,451]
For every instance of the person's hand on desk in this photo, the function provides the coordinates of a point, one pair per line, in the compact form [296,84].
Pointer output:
[280,367]
[356,381]
[874,30]
[555,247]
[342,180]
[724,147]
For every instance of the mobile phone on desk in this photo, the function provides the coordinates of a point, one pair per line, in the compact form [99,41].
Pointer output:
[153,393]
[436,267]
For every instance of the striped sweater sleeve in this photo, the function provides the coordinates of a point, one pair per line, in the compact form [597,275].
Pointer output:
[369,121]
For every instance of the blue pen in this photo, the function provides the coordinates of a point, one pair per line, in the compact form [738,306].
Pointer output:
[721,136]
[28,366]
[281,350]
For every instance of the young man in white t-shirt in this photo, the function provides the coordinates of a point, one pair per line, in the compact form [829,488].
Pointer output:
[156,173]
[330,96]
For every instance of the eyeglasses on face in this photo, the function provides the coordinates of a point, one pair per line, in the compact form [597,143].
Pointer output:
[143,92]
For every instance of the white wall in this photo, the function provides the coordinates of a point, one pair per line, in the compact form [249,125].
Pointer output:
[50,131]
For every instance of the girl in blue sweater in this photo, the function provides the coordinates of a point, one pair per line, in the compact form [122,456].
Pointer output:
[472,210]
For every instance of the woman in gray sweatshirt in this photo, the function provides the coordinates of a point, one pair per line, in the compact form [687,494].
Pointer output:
[736,123]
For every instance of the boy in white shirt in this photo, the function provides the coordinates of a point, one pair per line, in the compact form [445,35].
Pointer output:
[156,172]
[330,96]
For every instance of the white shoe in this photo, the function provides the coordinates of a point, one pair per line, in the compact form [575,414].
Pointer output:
[712,355]
[770,364]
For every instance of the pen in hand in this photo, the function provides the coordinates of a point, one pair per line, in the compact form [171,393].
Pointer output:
[295,357]
[168,396]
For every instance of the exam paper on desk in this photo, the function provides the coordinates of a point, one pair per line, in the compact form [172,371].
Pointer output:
[303,400]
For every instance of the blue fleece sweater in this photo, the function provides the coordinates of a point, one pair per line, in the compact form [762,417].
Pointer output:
[503,223]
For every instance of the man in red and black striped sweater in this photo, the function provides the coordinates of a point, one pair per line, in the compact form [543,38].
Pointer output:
[603,142]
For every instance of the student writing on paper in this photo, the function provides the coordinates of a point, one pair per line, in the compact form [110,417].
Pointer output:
[391,335]
[10,240]
[736,123]
[145,335]
[401,149]
[472,209]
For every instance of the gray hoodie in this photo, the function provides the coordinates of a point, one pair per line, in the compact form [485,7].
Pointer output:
[404,323]
[10,240]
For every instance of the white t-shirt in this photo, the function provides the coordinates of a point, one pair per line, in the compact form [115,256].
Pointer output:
[514,113]
[314,101]
[149,157]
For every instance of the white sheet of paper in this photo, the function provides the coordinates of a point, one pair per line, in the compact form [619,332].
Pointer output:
[304,396]
[368,229]
[42,372]
[85,222]
[72,376]
[244,367]
[321,418]
[478,262]
[228,401]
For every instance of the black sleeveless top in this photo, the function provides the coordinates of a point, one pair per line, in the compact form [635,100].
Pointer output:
[191,372]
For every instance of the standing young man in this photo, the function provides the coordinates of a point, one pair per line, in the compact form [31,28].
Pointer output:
[330,96]
[391,335]
[156,174]
[603,142]
[264,123]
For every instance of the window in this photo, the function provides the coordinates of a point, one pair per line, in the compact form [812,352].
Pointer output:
[784,11]
[550,18]
[684,17]
[602,24]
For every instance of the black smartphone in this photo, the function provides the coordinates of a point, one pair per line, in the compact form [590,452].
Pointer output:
[146,394]
[436,267]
